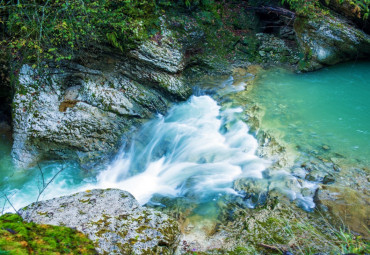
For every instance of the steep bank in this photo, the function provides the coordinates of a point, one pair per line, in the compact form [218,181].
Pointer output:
[81,109]
[88,104]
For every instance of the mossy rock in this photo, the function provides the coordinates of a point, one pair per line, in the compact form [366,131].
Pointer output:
[19,237]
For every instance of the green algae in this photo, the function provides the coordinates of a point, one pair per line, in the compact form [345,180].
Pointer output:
[19,237]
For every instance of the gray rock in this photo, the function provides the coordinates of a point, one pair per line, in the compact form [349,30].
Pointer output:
[275,50]
[328,179]
[112,219]
[316,175]
[328,41]
[165,53]
[82,112]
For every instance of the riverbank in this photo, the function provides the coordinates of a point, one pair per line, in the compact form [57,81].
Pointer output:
[173,119]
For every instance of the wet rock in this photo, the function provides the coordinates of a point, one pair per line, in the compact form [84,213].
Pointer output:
[299,172]
[347,205]
[316,175]
[281,225]
[112,219]
[328,179]
[328,41]
[307,192]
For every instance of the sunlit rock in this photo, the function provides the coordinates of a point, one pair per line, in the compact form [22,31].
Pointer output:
[112,219]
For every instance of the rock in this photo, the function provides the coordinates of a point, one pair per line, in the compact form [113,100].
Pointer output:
[316,175]
[348,205]
[164,53]
[328,179]
[82,112]
[86,108]
[273,50]
[112,219]
[326,147]
[350,10]
[328,41]
[282,225]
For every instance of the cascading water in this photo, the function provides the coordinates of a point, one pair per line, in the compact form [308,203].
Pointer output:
[196,150]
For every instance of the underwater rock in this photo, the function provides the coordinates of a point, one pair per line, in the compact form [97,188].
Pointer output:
[112,219]
[326,147]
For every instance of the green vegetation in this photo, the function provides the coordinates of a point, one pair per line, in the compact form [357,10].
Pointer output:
[19,237]
[313,7]
[55,30]
[364,6]
[44,30]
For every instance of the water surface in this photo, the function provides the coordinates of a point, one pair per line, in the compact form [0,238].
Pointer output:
[326,112]
[196,152]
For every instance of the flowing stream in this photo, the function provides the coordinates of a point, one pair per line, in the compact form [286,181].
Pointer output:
[202,146]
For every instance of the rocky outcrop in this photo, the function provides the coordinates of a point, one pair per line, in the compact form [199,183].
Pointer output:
[81,111]
[350,10]
[112,219]
[328,41]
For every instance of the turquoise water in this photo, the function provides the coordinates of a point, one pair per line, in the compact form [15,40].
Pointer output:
[196,152]
[325,112]
[23,187]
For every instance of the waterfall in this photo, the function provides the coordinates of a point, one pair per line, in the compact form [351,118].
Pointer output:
[197,150]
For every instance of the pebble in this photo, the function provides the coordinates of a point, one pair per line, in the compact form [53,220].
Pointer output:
[326,147]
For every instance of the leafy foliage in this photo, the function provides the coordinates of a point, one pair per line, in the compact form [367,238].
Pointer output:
[303,7]
[312,7]
[56,29]
[18,237]
[364,6]
[350,243]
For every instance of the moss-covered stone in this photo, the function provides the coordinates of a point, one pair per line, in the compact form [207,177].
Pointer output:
[123,227]
[19,237]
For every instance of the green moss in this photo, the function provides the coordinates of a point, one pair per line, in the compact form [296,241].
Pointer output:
[84,201]
[19,237]
[42,213]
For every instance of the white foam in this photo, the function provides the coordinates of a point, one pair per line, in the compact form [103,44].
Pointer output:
[196,148]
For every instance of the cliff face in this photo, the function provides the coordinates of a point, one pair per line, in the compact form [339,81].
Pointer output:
[86,108]
[329,40]
[81,110]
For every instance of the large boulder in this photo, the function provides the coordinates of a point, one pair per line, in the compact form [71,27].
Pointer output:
[329,40]
[82,110]
[112,219]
